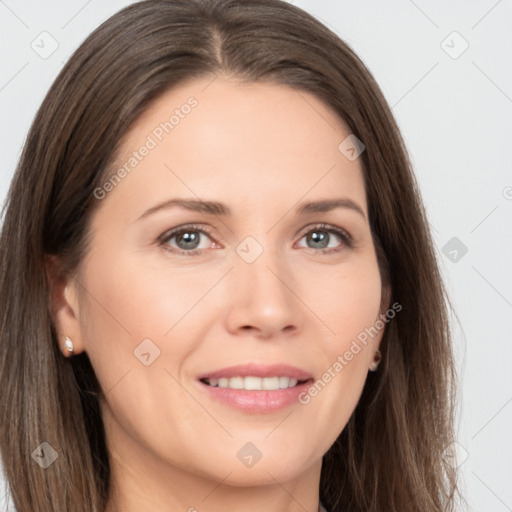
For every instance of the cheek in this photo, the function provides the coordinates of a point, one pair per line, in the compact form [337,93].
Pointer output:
[350,309]
[350,302]
[139,300]
[135,307]
[129,310]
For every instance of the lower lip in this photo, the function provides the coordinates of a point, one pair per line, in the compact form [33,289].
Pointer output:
[257,401]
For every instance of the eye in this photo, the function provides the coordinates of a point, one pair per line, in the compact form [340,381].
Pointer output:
[320,237]
[188,240]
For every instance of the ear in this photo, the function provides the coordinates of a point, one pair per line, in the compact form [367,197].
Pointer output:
[64,305]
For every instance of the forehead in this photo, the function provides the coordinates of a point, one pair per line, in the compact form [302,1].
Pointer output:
[227,139]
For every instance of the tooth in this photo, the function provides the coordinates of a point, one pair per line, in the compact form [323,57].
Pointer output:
[270,383]
[236,383]
[251,383]
[283,382]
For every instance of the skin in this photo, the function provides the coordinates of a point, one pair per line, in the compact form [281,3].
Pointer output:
[261,149]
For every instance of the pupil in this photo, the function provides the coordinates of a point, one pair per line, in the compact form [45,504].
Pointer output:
[319,237]
[190,243]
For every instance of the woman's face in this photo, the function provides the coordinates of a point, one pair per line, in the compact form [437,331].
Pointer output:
[258,289]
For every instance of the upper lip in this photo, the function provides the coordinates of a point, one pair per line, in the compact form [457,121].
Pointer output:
[258,370]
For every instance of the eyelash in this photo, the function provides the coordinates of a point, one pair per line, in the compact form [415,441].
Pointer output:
[166,237]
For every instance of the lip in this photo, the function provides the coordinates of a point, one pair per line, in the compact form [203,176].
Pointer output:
[258,370]
[257,401]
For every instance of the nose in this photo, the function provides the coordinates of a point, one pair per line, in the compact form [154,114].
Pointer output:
[262,300]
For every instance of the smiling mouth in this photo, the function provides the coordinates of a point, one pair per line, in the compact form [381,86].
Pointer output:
[252,383]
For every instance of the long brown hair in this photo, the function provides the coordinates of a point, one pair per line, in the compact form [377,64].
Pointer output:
[396,452]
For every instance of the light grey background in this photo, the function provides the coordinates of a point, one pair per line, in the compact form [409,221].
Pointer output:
[455,112]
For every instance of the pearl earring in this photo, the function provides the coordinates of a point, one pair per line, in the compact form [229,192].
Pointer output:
[68,344]
[376,360]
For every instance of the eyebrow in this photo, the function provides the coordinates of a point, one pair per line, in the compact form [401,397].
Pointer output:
[216,208]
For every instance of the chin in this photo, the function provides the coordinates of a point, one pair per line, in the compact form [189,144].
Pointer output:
[273,465]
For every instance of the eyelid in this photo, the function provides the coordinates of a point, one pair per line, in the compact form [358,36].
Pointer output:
[326,227]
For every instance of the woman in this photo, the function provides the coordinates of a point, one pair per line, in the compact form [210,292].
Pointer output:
[219,290]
